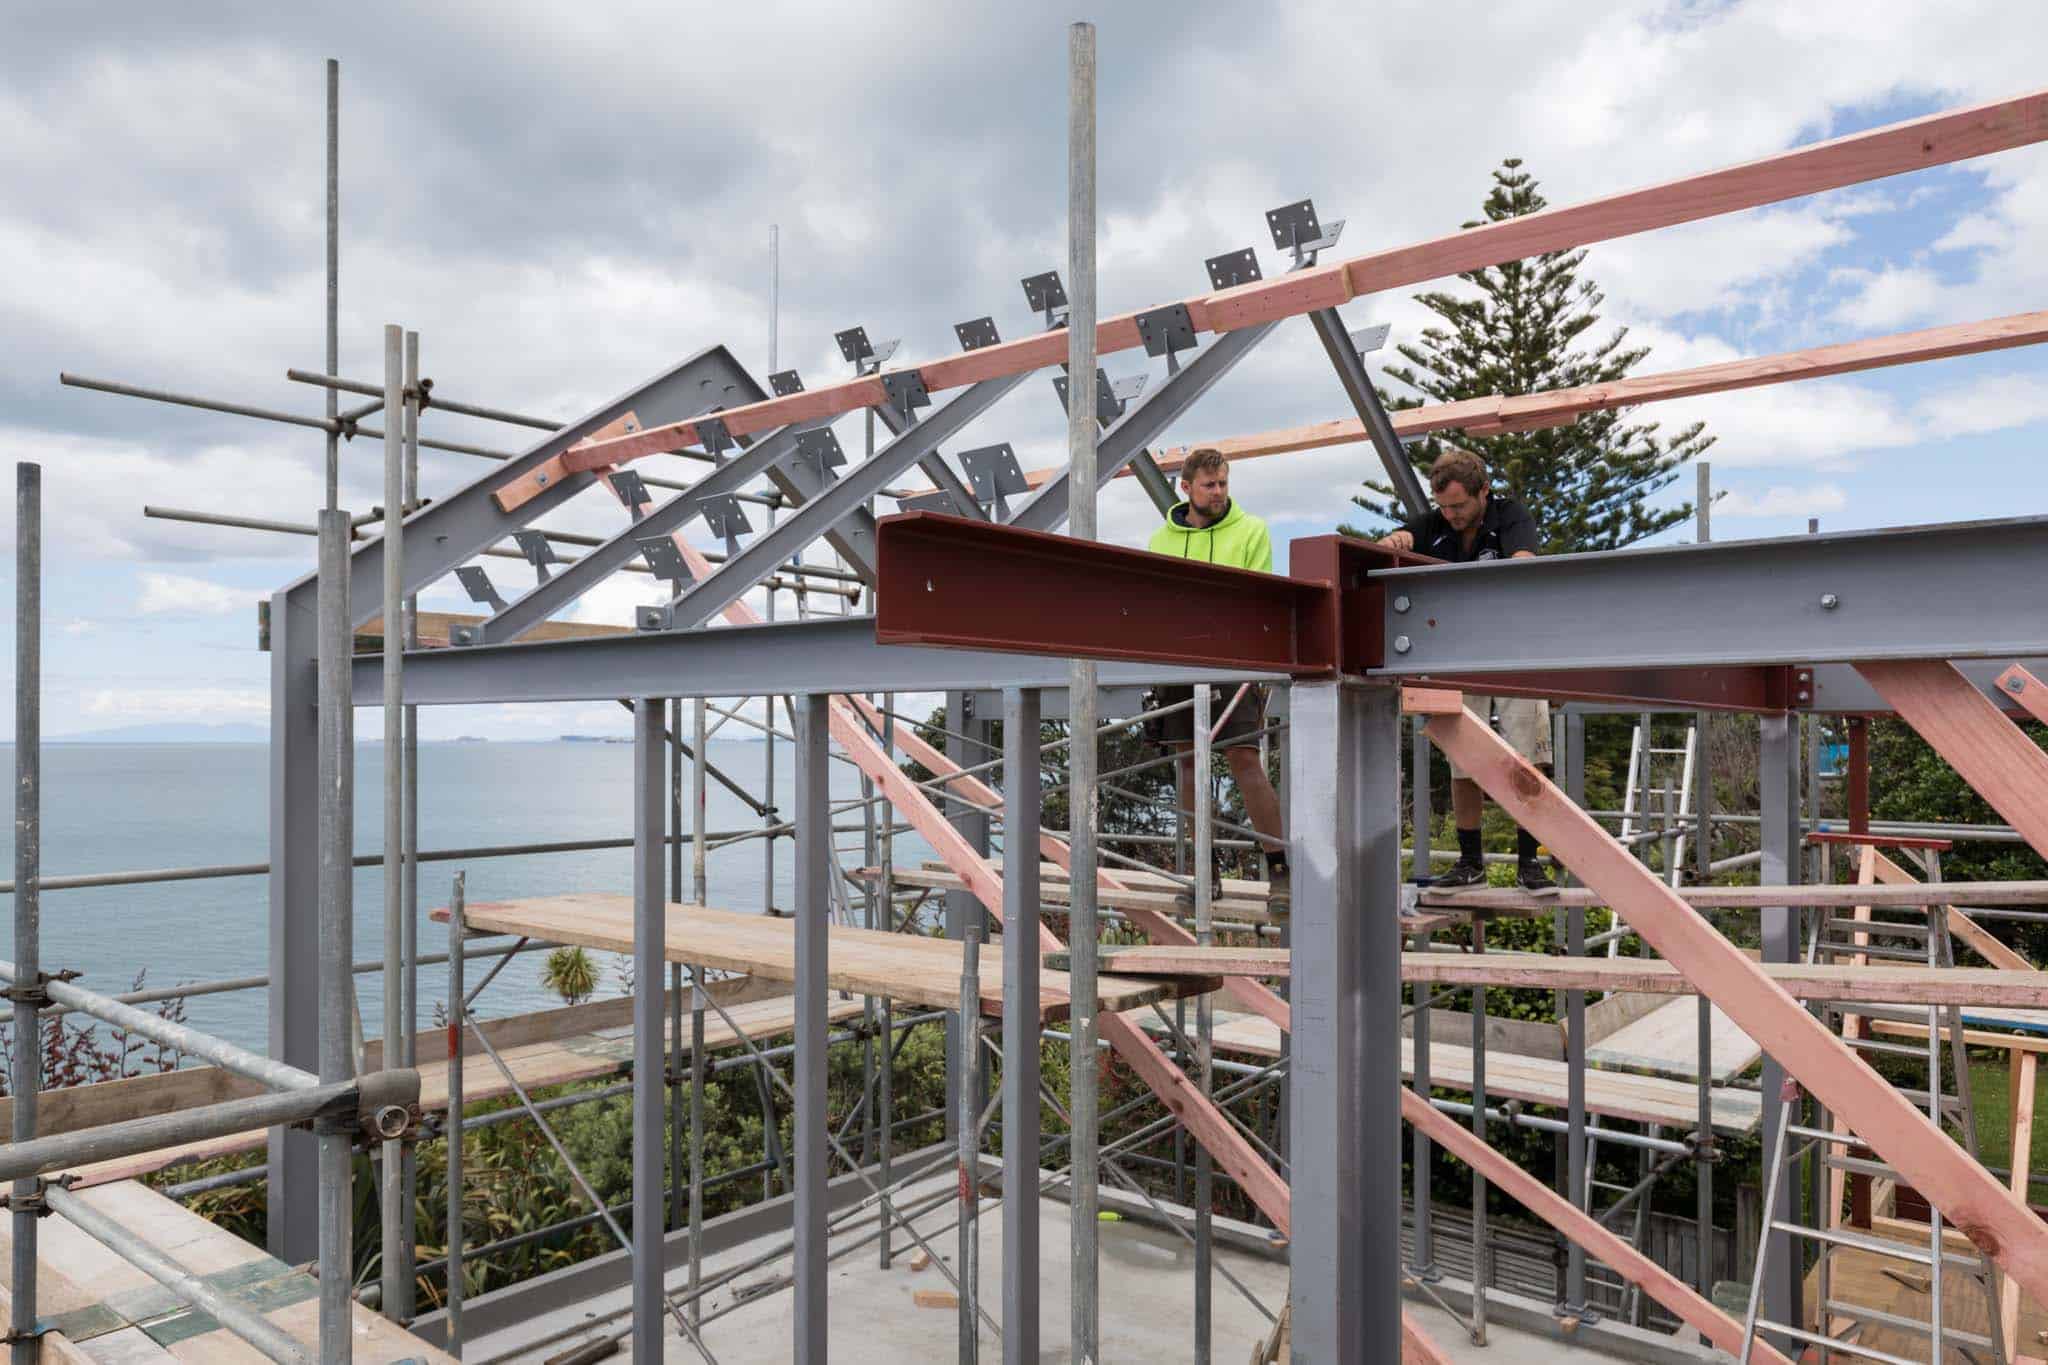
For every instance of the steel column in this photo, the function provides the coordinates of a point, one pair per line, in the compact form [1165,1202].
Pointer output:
[391,1172]
[26,1079]
[1346,995]
[334,773]
[650,920]
[452,1130]
[1778,787]
[1021,806]
[812,908]
[1575,1040]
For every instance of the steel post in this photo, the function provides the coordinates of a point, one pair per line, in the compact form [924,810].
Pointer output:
[885,1084]
[812,907]
[336,993]
[699,890]
[967,1144]
[1343,818]
[393,762]
[1481,1272]
[649,925]
[26,1078]
[1575,1040]
[1778,785]
[1084,1326]
[333,278]
[453,1128]
[678,1156]
[1205,935]
[1021,808]
[409,897]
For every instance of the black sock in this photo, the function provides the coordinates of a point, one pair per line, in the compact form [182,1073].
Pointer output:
[1525,846]
[1468,847]
[1276,860]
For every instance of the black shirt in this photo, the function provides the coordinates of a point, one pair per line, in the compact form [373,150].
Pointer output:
[1505,528]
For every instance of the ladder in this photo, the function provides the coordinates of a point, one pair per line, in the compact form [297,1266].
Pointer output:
[1659,789]
[1918,936]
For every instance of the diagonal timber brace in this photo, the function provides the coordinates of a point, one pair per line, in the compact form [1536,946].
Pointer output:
[1980,1207]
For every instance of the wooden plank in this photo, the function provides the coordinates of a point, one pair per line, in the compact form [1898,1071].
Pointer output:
[1755,897]
[2026,689]
[1665,1042]
[1246,909]
[1178,960]
[906,967]
[1963,725]
[1416,1346]
[1537,1197]
[1555,407]
[517,492]
[1872,983]
[1430,701]
[438,627]
[2000,1225]
[1979,939]
[1874,154]
[2025,1069]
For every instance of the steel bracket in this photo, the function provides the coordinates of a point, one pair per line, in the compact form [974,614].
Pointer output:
[1296,230]
[785,382]
[1045,294]
[478,585]
[820,449]
[995,476]
[632,491]
[1110,399]
[666,560]
[538,549]
[1233,268]
[906,390]
[976,334]
[854,345]
[726,518]
[712,433]
[1166,331]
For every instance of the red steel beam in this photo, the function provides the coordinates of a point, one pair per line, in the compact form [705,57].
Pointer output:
[950,581]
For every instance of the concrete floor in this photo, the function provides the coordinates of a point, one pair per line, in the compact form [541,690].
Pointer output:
[1147,1302]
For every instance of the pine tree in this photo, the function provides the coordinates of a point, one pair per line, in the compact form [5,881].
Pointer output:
[1586,483]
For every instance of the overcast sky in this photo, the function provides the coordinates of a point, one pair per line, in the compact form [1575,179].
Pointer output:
[564,200]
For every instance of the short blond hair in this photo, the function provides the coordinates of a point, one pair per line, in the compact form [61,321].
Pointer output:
[1458,466]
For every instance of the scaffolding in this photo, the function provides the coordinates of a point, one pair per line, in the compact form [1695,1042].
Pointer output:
[1367,651]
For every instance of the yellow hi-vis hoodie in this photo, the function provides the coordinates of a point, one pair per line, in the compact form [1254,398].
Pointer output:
[1238,539]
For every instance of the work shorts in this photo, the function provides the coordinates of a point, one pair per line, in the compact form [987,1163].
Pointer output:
[1524,722]
[1240,728]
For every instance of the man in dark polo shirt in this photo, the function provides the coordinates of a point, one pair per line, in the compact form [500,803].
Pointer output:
[1471,523]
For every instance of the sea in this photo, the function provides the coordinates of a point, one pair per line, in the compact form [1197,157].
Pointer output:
[113,807]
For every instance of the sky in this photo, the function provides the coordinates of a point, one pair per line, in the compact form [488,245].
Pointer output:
[564,200]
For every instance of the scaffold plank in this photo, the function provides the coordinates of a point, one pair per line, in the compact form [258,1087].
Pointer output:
[1975,1201]
[1911,893]
[905,967]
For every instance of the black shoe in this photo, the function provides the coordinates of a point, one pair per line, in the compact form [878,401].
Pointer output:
[1462,873]
[1533,876]
[1279,892]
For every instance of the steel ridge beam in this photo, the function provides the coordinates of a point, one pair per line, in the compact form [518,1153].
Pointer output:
[834,654]
[1936,139]
[845,494]
[1957,591]
[599,563]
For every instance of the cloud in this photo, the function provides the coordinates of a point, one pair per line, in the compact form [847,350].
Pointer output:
[1887,299]
[1782,501]
[1992,403]
[173,594]
[78,625]
[203,704]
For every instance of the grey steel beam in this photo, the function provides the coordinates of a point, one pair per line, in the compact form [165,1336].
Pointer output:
[650,1099]
[1841,690]
[1956,591]
[1365,400]
[1778,800]
[1152,414]
[836,500]
[813,907]
[1153,480]
[934,465]
[598,564]
[820,655]
[451,530]
[1021,803]
[1345,1125]
[853,535]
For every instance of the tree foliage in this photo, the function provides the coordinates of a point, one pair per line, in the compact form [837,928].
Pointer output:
[1527,327]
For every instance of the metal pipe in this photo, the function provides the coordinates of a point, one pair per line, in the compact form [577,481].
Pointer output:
[968,1123]
[333,277]
[1021,1079]
[244,1321]
[27,1062]
[1205,936]
[336,932]
[409,900]
[699,890]
[812,909]
[457,895]
[392,1190]
[1084,1326]
[342,1100]
[175,1036]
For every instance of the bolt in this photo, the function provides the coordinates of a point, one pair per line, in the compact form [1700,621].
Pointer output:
[1400,644]
[1828,601]
[2015,685]
[1805,696]
[1402,603]
[540,480]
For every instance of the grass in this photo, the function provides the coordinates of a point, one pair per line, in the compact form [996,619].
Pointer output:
[1991,1092]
